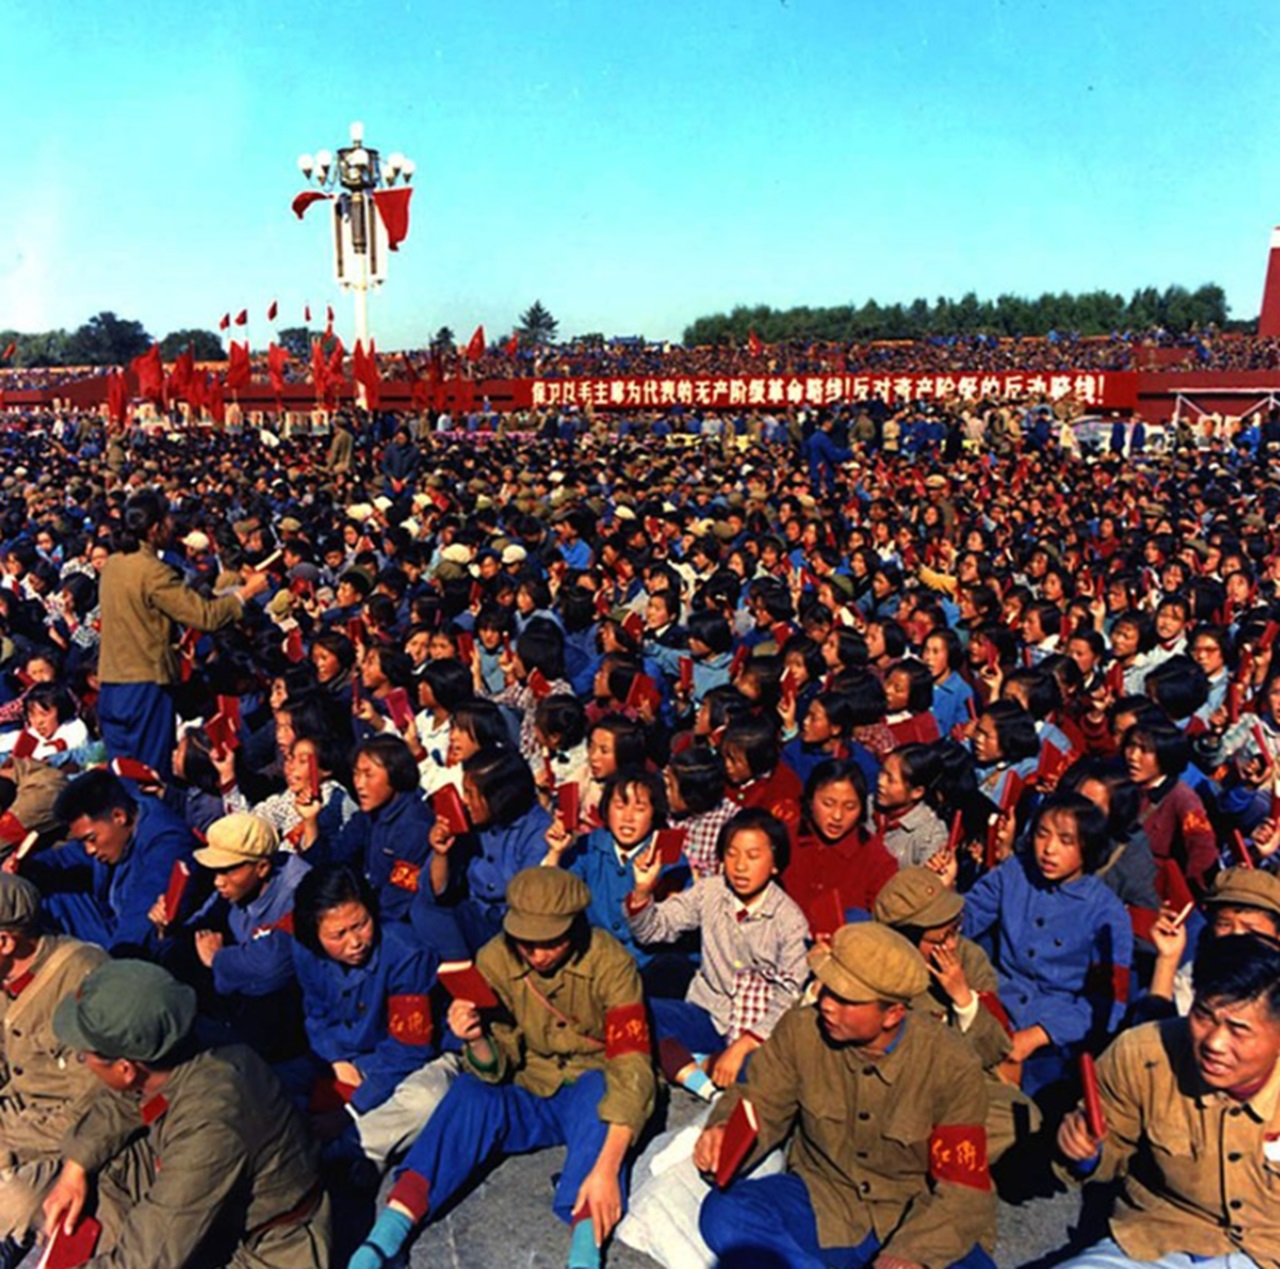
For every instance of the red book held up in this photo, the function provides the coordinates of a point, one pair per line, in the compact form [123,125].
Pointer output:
[740,658]
[221,733]
[826,914]
[463,981]
[400,709]
[132,769]
[569,806]
[538,685]
[466,646]
[447,803]
[1092,1098]
[69,1251]
[313,777]
[686,675]
[643,689]
[229,708]
[26,744]
[669,843]
[633,625]
[179,880]
[740,1133]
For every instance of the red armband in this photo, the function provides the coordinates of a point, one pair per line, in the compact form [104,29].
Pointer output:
[626,1030]
[991,1003]
[958,1154]
[405,875]
[409,1019]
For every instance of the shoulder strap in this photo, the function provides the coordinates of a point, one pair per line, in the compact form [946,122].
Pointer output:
[568,1021]
[55,961]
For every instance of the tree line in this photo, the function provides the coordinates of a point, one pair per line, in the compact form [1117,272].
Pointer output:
[1175,309]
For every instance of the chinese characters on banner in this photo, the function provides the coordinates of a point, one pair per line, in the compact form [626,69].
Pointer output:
[1110,389]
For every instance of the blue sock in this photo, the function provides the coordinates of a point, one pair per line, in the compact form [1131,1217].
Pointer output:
[389,1234]
[583,1252]
[698,1082]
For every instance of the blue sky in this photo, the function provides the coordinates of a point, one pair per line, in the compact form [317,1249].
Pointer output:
[634,165]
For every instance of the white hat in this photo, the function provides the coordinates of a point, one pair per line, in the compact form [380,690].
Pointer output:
[196,540]
[514,554]
[456,553]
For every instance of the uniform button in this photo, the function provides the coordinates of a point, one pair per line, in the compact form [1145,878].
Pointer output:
[1234,1157]
[560,1024]
[1236,1111]
[868,1070]
[17,1031]
[1057,942]
[17,1070]
[864,1114]
[1031,952]
[1040,921]
[1235,1205]
[865,1187]
[861,1154]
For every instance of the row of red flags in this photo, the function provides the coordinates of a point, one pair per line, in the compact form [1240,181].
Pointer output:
[273,310]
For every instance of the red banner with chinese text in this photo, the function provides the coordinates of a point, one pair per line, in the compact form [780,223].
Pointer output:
[1110,389]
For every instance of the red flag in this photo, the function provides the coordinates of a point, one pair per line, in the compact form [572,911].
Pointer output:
[754,346]
[475,349]
[306,314]
[272,309]
[150,371]
[319,369]
[304,200]
[10,350]
[217,401]
[393,208]
[184,368]
[242,317]
[238,369]
[117,396]
[277,360]
[512,345]
[225,323]
[365,370]
[328,310]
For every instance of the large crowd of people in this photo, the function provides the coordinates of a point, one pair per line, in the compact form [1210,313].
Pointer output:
[381,803]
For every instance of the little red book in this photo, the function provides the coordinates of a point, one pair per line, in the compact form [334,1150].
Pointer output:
[466,646]
[538,685]
[179,879]
[463,981]
[313,777]
[1092,1098]
[69,1251]
[132,769]
[400,709]
[26,744]
[686,675]
[447,803]
[643,689]
[669,843]
[740,1133]
[569,806]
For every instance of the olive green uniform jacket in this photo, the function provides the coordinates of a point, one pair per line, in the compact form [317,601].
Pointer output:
[601,1027]
[892,1145]
[141,599]
[218,1169]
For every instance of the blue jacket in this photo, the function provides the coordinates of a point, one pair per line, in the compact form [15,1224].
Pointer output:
[390,845]
[1062,952]
[503,852]
[257,959]
[109,903]
[950,699]
[596,861]
[350,1011]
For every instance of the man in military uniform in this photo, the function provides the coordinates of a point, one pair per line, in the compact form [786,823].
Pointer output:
[198,1156]
[43,1088]
[565,1061]
[888,1158]
[1192,1123]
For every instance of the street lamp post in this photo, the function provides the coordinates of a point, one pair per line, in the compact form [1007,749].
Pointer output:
[360,242]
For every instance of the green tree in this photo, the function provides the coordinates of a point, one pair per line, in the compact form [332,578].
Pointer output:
[537,326]
[204,344]
[443,341]
[44,348]
[107,340]
[296,341]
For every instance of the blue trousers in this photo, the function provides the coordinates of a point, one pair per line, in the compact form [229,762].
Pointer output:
[769,1224]
[690,1024]
[1107,1255]
[478,1121]
[138,721]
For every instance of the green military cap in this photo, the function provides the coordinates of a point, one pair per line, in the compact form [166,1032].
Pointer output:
[542,904]
[916,897]
[723,530]
[281,604]
[842,584]
[867,962]
[238,838]
[1245,888]
[19,902]
[127,1009]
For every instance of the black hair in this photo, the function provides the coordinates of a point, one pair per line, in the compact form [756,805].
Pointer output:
[541,648]
[712,629]
[561,717]
[1179,686]
[637,778]
[394,757]
[864,694]
[1171,748]
[725,705]
[919,684]
[629,746]
[335,642]
[698,772]
[1091,826]
[1015,730]
[144,510]
[1044,696]
[484,722]
[833,771]
[1238,968]
[322,890]
[951,641]
[49,696]
[756,738]
[450,682]
[753,817]
[94,795]
[504,783]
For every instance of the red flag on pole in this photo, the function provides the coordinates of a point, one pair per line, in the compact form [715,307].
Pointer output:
[225,323]
[238,369]
[242,317]
[393,208]
[277,360]
[150,371]
[10,350]
[304,200]
[117,396]
[754,346]
[272,309]
[475,348]
[512,345]
[306,314]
